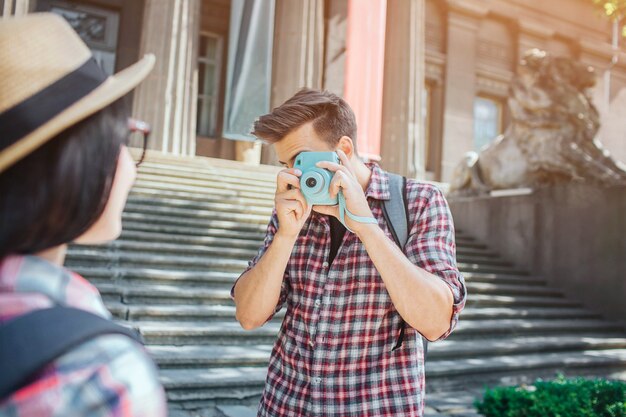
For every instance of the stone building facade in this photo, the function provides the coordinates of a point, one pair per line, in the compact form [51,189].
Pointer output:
[428,78]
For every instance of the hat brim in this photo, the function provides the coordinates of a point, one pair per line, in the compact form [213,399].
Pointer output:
[112,89]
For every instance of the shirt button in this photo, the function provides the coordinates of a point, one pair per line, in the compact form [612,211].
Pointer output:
[311,343]
[317,380]
[325,264]
[318,302]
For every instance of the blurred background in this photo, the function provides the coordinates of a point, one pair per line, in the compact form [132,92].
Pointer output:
[430,81]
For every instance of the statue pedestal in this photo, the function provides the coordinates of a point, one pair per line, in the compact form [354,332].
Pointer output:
[572,235]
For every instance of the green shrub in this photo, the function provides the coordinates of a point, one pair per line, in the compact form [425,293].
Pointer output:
[562,397]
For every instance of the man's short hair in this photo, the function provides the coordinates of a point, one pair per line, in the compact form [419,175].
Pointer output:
[332,117]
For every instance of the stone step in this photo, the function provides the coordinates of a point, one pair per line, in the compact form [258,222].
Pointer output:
[456,349]
[217,205]
[212,166]
[181,277]
[150,294]
[481,267]
[223,176]
[168,249]
[514,279]
[215,384]
[482,301]
[206,225]
[225,281]
[486,261]
[199,197]
[87,257]
[142,225]
[213,181]
[210,246]
[211,356]
[131,276]
[229,332]
[470,251]
[614,358]
[511,289]
[79,256]
[225,192]
[206,313]
[181,240]
[484,313]
[197,214]
[469,241]
[168,295]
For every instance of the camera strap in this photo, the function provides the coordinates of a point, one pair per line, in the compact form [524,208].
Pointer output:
[343,210]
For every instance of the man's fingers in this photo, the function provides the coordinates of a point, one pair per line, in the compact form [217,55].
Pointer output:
[289,206]
[286,178]
[333,167]
[294,195]
[336,183]
[345,161]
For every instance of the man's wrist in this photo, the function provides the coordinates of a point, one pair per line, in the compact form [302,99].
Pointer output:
[367,231]
[286,237]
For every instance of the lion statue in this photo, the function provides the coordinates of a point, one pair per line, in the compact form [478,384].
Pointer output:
[551,137]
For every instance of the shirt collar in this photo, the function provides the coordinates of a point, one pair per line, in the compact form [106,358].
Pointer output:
[32,274]
[378,187]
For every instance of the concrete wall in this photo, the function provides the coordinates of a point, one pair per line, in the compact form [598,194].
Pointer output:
[574,236]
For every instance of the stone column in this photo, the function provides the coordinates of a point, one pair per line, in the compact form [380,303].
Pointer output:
[298,59]
[166,99]
[335,46]
[460,88]
[402,130]
[14,7]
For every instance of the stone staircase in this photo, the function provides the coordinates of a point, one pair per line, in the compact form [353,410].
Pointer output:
[191,225]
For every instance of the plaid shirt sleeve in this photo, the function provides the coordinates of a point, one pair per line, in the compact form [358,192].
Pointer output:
[272,227]
[431,243]
[110,376]
[123,382]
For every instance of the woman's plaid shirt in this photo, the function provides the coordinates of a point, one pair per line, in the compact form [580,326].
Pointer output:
[108,376]
[333,355]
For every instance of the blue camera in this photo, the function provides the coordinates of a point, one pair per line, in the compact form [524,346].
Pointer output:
[315,181]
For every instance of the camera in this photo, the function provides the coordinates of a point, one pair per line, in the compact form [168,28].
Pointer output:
[315,181]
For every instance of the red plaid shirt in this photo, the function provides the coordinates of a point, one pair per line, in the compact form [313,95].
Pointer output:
[333,356]
[108,376]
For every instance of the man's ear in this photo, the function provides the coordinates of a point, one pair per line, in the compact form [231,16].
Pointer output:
[347,146]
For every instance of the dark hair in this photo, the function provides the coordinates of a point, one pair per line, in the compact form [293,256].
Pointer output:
[57,193]
[332,117]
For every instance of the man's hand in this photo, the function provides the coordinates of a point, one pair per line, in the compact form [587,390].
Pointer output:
[292,209]
[345,180]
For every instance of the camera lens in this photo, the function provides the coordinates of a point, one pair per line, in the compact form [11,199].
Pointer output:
[311,182]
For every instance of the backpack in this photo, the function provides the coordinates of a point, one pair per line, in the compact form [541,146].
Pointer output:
[30,342]
[396,214]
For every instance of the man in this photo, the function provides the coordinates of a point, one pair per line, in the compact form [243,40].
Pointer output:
[348,295]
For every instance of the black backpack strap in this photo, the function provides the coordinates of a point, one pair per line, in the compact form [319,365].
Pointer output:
[395,210]
[30,342]
[396,214]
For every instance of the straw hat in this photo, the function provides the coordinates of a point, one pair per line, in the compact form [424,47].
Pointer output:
[50,81]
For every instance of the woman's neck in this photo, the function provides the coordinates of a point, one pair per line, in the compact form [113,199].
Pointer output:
[54,255]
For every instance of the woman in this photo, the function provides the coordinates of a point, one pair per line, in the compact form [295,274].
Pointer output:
[65,173]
